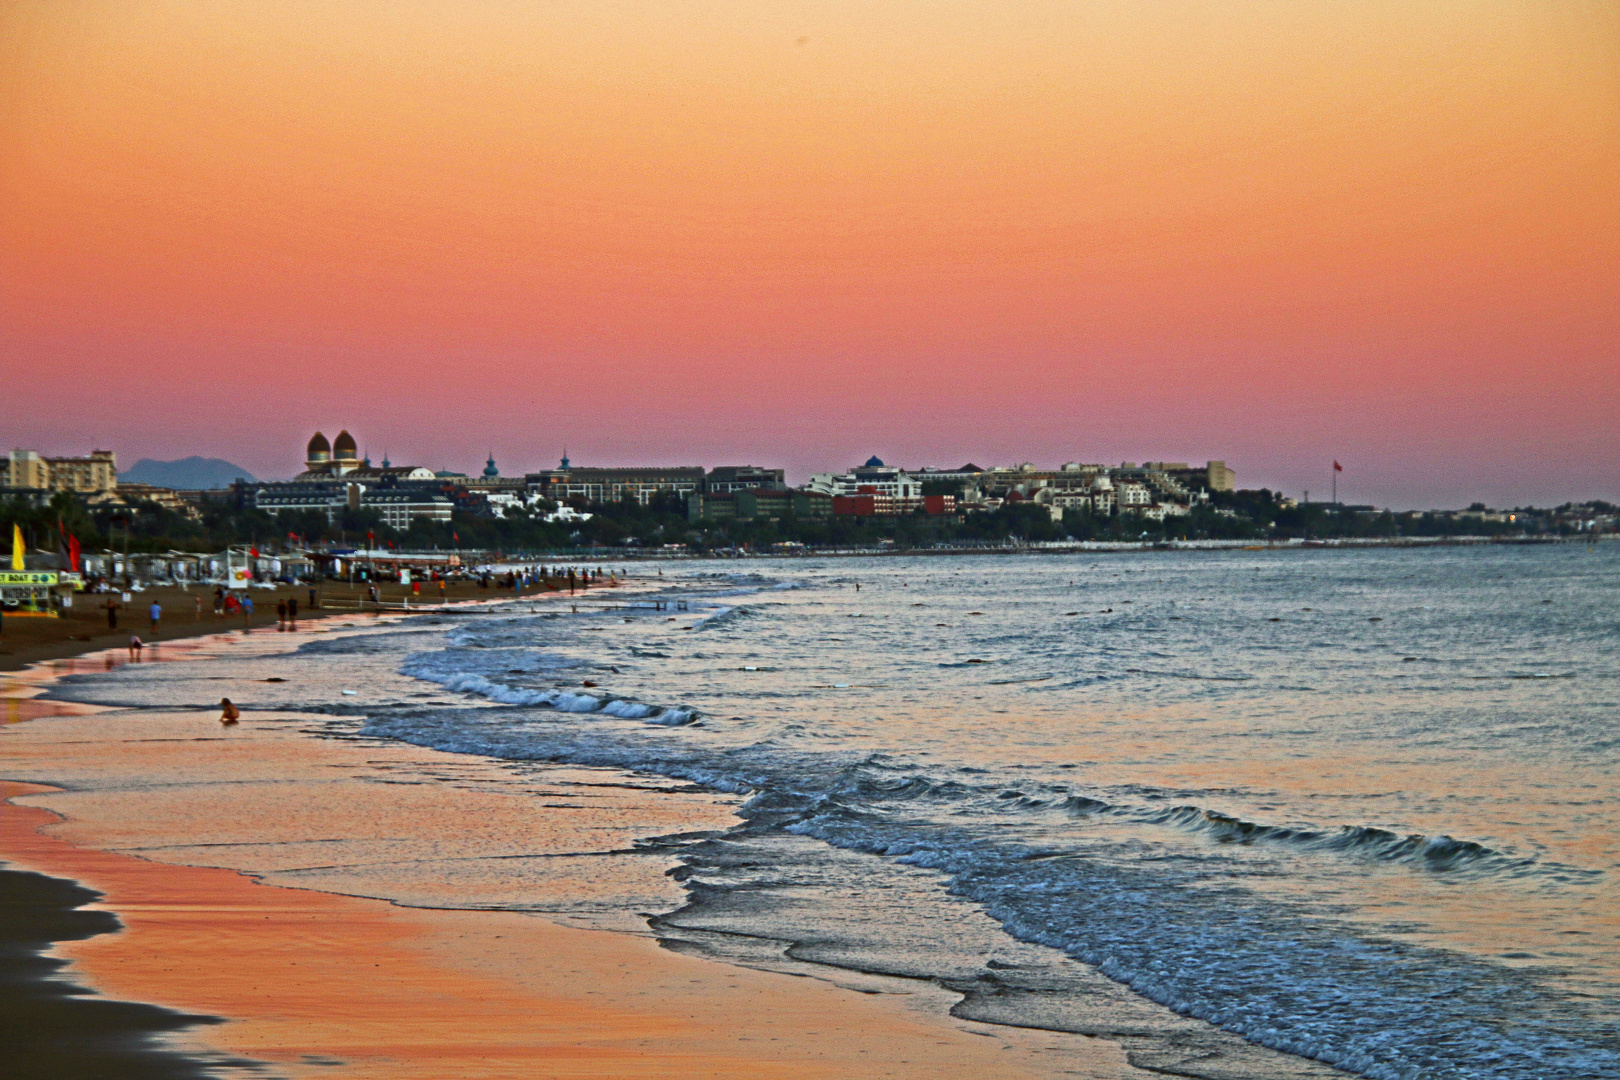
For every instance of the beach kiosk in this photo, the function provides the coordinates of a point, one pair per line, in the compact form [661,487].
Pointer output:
[28,593]
[238,567]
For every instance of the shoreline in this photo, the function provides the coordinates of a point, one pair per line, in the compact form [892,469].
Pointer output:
[403,991]
[1078,547]
[80,631]
[72,1033]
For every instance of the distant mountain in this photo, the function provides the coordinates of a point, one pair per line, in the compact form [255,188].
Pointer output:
[187,474]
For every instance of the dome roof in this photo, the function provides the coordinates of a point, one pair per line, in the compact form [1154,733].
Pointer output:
[874,462]
[490,470]
[344,446]
[319,445]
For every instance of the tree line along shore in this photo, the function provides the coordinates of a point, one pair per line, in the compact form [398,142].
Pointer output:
[663,523]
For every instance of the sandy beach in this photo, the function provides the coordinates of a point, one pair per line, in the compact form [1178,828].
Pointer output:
[222,855]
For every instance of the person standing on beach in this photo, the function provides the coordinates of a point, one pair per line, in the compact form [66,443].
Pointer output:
[292,611]
[112,613]
[154,613]
[198,600]
[281,615]
[247,611]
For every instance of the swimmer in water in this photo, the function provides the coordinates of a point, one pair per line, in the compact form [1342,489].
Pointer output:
[230,713]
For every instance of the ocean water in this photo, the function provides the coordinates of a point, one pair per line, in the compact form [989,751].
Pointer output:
[1250,813]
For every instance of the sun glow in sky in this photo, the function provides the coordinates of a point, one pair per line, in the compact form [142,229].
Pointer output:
[803,233]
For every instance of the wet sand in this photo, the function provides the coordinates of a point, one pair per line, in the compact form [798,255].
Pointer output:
[194,835]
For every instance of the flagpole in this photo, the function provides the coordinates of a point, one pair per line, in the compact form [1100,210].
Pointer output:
[1335,482]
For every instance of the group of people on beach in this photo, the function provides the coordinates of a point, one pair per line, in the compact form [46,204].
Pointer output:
[578,578]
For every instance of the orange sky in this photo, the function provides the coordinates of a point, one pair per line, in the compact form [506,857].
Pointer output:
[802,233]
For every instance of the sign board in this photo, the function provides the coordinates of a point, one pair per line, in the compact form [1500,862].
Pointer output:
[237,577]
[404,577]
[28,577]
[28,592]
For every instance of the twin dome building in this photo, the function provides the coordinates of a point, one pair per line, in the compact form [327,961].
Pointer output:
[341,459]
[337,478]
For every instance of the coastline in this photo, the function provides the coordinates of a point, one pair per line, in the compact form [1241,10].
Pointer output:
[82,630]
[324,983]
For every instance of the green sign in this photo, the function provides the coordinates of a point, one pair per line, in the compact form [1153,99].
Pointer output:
[27,577]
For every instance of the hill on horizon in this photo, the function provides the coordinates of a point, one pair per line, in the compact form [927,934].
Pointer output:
[186,474]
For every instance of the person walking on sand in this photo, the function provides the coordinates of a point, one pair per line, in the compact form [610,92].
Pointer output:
[247,612]
[154,613]
[112,613]
[281,615]
[229,714]
[292,612]
[198,600]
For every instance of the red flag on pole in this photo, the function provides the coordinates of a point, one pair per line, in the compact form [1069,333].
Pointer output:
[254,551]
[1337,467]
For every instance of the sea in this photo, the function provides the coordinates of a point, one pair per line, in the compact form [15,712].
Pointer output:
[1249,813]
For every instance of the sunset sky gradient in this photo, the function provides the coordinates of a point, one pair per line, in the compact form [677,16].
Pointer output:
[803,233]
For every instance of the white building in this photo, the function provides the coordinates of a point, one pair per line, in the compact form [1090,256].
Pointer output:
[1133,496]
[873,478]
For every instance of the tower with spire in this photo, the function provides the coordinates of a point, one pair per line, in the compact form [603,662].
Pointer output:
[490,471]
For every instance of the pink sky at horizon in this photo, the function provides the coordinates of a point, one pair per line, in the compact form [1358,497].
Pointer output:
[803,233]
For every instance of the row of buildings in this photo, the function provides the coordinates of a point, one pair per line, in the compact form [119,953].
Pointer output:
[35,477]
[337,477]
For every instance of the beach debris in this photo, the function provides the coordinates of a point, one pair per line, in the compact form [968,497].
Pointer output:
[840,686]
[273,678]
[350,693]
